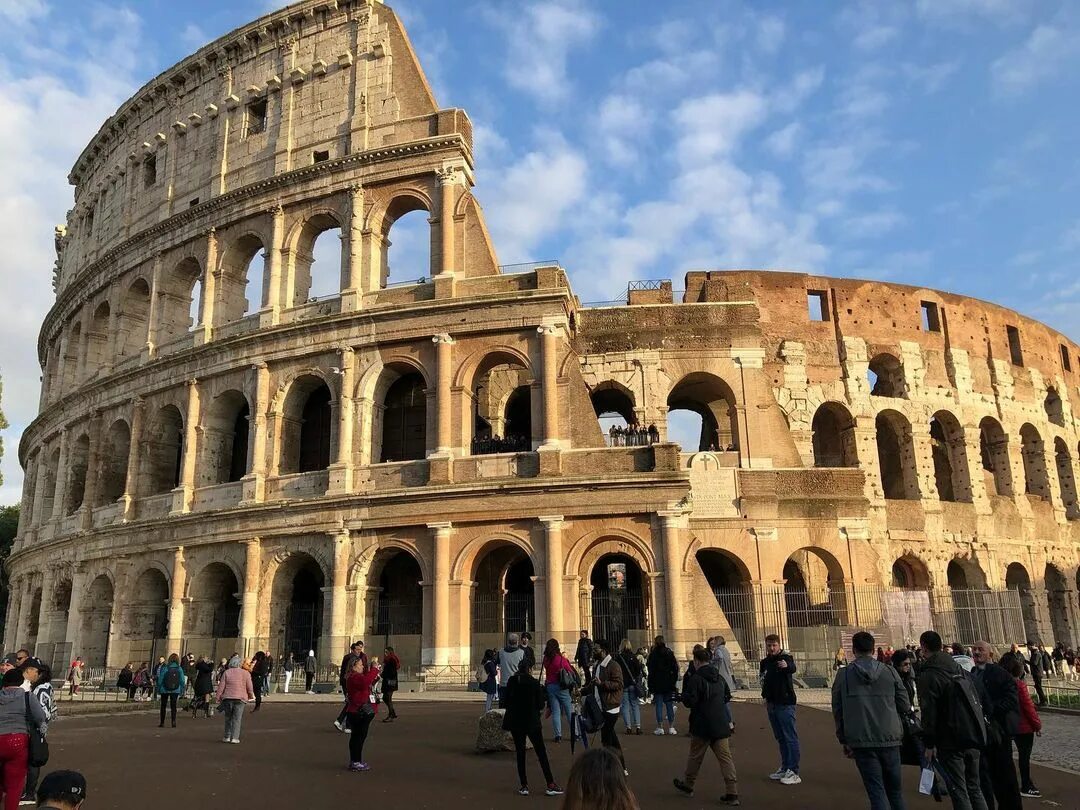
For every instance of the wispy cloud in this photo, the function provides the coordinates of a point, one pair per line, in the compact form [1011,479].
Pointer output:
[1047,52]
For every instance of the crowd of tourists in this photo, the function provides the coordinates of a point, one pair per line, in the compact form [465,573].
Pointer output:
[633,435]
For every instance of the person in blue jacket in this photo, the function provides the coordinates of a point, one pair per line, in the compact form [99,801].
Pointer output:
[170,685]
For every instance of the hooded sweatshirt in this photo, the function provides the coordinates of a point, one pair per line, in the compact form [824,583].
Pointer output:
[934,688]
[706,695]
[868,700]
[235,683]
[509,659]
[13,711]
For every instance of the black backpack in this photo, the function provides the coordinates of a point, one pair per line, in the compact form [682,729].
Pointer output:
[171,681]
[965,717]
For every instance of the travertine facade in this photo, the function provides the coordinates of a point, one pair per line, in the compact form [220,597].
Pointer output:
[264,469]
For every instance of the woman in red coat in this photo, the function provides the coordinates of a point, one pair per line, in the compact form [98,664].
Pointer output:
[1030,726]
[360,709]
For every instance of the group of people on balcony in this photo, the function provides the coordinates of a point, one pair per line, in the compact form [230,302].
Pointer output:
[488,444]
[633,435]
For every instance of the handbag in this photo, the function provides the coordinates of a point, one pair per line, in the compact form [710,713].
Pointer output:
[38,754]
[568,679]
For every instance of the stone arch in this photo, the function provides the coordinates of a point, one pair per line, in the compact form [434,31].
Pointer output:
[614,406]
[78,463]
[240,291]
[814,588]
[213,603]
[1036,479]
[910,572]
[502,569]
[163,451]
[366,568]
[994,455]
[1055,409]
[896,456]
[396,595]
[134,315]
[1057,602]
[833,430]
[224,455]
[712,399]
[97,340]
[296,607]
[145,614]
[468,559]
[490,378]
[588,549]
[95,615]
[1018,579]
[113,463]
[965,573]
[307,424]
[949,451]
[178,304]
[381,220]
[307,235]
[1066,479]
[401,414]
[885,374]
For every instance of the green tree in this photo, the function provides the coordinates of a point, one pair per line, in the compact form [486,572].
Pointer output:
[3,426]
[9,524]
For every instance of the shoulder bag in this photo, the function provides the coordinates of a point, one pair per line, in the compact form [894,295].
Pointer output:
[38,754]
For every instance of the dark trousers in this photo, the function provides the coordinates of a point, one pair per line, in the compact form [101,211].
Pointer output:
[880,772]
[258,684]
[1024,744]
[608,737]
[388,699]
[998,775]
[168,701]
[359,722]
[32,774]
[309,680]
[961,769]
[343,714]
[536,736]
[1038,687]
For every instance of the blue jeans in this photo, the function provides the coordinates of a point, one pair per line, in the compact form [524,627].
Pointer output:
[558,702]
[782,720]
[660,700]
[880,771]
[489,701]
[631,708]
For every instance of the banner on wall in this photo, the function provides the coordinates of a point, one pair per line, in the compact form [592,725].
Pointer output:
[616,576]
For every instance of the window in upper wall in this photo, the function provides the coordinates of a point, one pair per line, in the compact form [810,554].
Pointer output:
[320,157]
[931,321]
[90,223]
[1015,352]
[256,117]
[1065,364]
[193,202]
[817,302]
[150,171]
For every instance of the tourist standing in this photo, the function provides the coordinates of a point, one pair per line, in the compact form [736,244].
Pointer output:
[524,698]
[510,658]
[1036,667]
[607,686]
[1029,725]
[663,672]
[143,682]
[707,695]
[776,671]
[583,653]
[287,670]
[187,663]
[528,653]
[125,679]
[171,683]
[720,658]
[258,677]
[234,691]
[39,676]
[15,735]
[597,782]
[868,702]
[356,651]
[359,709]
[75,675]
[1001,703]
[203,673]
[310,667]
[489,684]
[390,670]
[157,671]
[631,700]
[557,685]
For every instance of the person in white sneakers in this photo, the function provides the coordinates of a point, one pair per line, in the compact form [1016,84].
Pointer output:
[777,688]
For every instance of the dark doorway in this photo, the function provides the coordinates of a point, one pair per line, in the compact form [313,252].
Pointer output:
[303,619]
[315,432]
[405,420]
[616,612]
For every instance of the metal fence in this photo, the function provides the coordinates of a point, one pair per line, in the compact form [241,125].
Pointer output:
[398,617]
[509,613]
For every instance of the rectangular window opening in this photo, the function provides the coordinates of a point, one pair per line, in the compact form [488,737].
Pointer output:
[320,157]
[194,202]
[1065,358]
[150,171]
[931,320]
[256,117]
[1015,352]
[817,301]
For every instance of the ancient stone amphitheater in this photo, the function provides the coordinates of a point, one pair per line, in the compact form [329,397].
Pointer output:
[224,460]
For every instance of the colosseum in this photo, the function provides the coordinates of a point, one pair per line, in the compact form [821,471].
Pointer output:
[225,460]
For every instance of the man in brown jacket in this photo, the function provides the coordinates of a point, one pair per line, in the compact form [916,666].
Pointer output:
[607,683]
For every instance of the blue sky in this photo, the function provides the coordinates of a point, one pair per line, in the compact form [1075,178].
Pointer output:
[932,142]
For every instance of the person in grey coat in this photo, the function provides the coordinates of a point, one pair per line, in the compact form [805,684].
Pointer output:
[721,660]
[510,658]
[868,700]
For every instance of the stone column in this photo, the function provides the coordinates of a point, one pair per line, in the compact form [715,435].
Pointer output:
[440,535]
[271,315]
[86,516]
[81,370]
[74,622]
[39,486]
[444,352]
[60,491]
[185,493]
[11,624]
[352,293]
[447,180]
[211,274]
[553,528]
[153,315]
[752,442]
[44,635]
[112,348]
[255,480]
[249,601]
[549,359]
[671,526]
[341,471]
[131,479]
[176,601]
[339,620]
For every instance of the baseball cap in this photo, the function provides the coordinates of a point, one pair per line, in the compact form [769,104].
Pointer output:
[10,660]
[62,785]
[32,662]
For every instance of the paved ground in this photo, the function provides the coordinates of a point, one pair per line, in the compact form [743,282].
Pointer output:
[292,756]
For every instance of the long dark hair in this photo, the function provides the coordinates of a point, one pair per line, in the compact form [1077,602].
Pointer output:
[597,783]
[551,649]
[44,674]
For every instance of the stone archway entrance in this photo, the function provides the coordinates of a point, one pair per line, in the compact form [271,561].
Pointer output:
[618,600]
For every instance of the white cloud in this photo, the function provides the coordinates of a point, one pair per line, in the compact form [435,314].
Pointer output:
[622,124]
[782,142]
[1047,52]
[960,11]
[713,125]
[871,224]
[790,96]
[20,12]
[931,78]
[193,36]
[770,33]
[1070,240]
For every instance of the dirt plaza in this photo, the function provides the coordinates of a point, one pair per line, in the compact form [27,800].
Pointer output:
[291,755]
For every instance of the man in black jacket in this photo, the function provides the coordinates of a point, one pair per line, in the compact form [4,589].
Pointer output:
[935,689]
[1001,702]
[706,695]
[583,655]
[1034,665]
[776,672]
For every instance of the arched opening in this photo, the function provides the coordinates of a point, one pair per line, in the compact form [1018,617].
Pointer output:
[814,594]
[49,498]
[618,600]
[318,262]
[95,613]
[729,582]
[896,457]
[1017,579]
[307,427]
[225,439]
[78,460]
[404,419]
[241,282]
[994,454]
[949,454]
[213,610]
[502,406]
[134,312]
[97,340]
[164,451]
[910,573]
[712,400]
[503,600]
[1036,480]
[114,463]
[886,377]
[406,258]
[144,620]
[833,431]
[1063,462]
[399,605]
[71,357]
[1055,410]
[976,613]
[613,405]
[1057,600]
[297,606]
[56,628]
[179,300]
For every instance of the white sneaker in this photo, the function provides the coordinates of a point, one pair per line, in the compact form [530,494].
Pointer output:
[778,774]
[672,731]
[347,730]
[790,778]
[659,732]
[338,726]
[235,742]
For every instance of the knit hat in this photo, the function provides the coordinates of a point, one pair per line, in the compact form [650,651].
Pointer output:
[234,662]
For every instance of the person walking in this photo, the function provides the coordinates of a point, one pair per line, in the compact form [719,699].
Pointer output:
[489,684]
[868,703]
[360,709]
[776,671]
[941,689]
[607,686]
[663,672]
[356,650]
[597,782]
[1036,668]
[525,699]
[287,670]
[707,696]
[143,682]
[391,667]
[1001,703]
[203,673]
[631,700]
[187,663]
[722,663]
[557,685]
[124,680]
[510,658]
[311,665]
[171,683]
[1029,725]
[235,690]
[17,710]
[258,677]
[156,670]
[75,675]
[583,653]
[39,676]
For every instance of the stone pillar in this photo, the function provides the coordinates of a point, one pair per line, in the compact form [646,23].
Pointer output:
[752,441]
[44,635]
[60,490]
[176,602]
[153,315]
[339,620]
[553,528]
[255,480]
[74,622]
[352,293]
[447,179]
[185,492]
[86,512]
[22,629]
[341,471]
[39,486]
[211,275]
[11,623]
[121,583]
[112,348]
[131,479]
[444,352]
[671,526]
[249,603]
[271,314]
[440,619]
[549,359]
[81,371]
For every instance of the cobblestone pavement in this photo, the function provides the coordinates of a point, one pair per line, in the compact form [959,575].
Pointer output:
[1059,744]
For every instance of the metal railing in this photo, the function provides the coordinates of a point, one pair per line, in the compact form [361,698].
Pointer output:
[525,267]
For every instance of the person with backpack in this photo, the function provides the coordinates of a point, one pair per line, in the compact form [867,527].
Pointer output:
[311,666]
[631,701]
[510,658]
[1029,726]
[171,683]
[525,699]
[776,671]
[559,679]
[38,675]
[20,716]
[487,678]
[234,691]
[663,678]
[706,694]
[953,728]
[143,682]
[868,703]
[1001,705]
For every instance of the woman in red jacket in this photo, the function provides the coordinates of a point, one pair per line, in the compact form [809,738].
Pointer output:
[1030,726]
[360,709]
